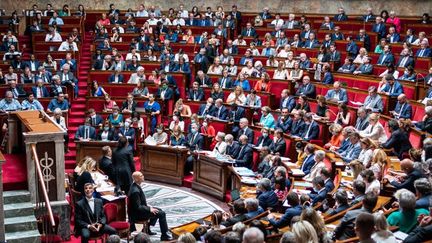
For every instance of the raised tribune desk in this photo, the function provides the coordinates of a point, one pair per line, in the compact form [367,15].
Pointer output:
[211,176]
[163,163]
[92,149]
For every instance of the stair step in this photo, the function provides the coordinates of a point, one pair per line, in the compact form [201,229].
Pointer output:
[29,236]
[75,106]
[22,223]
[16,196]
[18,209]
[76,113]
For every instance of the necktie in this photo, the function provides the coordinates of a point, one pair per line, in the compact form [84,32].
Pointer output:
[401,109]
[267,52]
[220,108]
[392,89]
[402,64]
[371,129]
[195,95]
[223,83]
[248,33]
[307,132]
[39,92]
[94,121]
[421,53]
[86,133]
[241,150]
[15,93]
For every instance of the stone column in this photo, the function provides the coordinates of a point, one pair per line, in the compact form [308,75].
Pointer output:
[2,227]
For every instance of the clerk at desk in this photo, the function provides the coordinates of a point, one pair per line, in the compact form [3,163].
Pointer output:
[86,132]
[194,141]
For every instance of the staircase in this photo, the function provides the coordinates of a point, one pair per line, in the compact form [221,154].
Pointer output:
[78,109]
[20,222]
[25,40]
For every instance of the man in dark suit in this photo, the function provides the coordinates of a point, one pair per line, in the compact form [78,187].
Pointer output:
[245,154]
[311,128]
[105,163]
[90,218]
[369,16]
[69,60]
[403,109]
[139,210]
[239,210]
[297,125]
[127,132]
[265,14]
[207,108]
[264,140]
[232,49]
[56,87]
[426,124]
[220,111]
[17,91]
[362,121]
[129,104]
[398,141]
[278,145]
[17,63]
[379,28]
[386,58]
[320,191]
[232,146]
[124,164]
[309,160]
[196,93]
[43,74]
[39,90]
[284,121]
[328,182]
[236,114]
[345,229]
[249,31]
[287,101]
[225,82]
[405,60]
[33,64]
[194,141]
[334,54]
[165,92]
[191,21]
[341,16]
[203,22]
[363,37]
[365,68]
[266,196]
[203,79]
[86,132]
[307,88]
[295,209]
[245,130]
[412,174]
[96,120]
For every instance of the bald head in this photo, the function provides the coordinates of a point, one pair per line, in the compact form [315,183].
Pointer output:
[138,177]
[407,165]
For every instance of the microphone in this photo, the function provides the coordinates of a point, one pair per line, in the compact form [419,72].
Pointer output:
[422,77]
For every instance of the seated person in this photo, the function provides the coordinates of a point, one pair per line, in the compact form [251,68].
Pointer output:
[245,155]
[319,190]
[196,93]
[86,132]
[115,117]
[278,145]
[398,142]
[359,190]
[347,67]
[107,132]
[311,129]
[345,229]
[177,138]
[252,207]
[90,218]
[160,136]
[294,209]
[239,211]
[406,217]
[341,204]
[352,152]
[266,196]
[264,140]
[403,109]
[284,121]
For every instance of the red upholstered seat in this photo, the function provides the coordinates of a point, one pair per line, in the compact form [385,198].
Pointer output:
[111,212]
[51,239]
[119,225]
[415,139]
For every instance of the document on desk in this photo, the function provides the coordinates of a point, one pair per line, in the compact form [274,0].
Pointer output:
[150,141]
[400,235]
[303,184]
[356,103]
[297,172]
[111,198]
[243,171]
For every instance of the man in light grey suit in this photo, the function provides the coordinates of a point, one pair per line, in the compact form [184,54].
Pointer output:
[353,150]
[337,94]
[373,101]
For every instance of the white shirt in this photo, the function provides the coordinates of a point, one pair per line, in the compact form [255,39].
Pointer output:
[375,186]
[152,21]
[365,156]
[91,204]
[129,56]
[184,14]
[56,37]
[277,22]
[220,148]
[142,13]
[65,46]
[180,22]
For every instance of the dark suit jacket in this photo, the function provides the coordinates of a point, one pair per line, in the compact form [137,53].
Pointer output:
[203,110]
[48,76]
[406,110]
[222,115]
[111,135]
[137,205]
[69,79]
[245,156]
[266,141]
[235,219]
[380,29]
[399,142]
[233,149]
[308,163]
[409,181]
[366,41]
[318,197]
[329,186]
[20,91]
[206,80]
[199,96]
[386,59]
[290,103]
[45,92]
[228,82]
[37,64]
[284,125]
[252,32]
[235,116]
[125,105]
[81,130]
[97,120]
[308,90]
[169,93]
[268,199]
[124,166]
[278,147]
[345,229]
[106,166]
[297,127]
[248,132]
[409,62]
[313,131]
[84,215]
[193,143]
[111,78]
[285,220]
[130,133]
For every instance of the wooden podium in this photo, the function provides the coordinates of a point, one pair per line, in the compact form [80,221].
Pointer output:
[92,149]
[211,176]
[163,163]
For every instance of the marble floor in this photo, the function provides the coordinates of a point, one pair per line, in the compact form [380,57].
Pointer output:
[180,205]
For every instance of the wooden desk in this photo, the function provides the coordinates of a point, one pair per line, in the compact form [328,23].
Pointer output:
[91,148]
[163,163]
[210,176]
[188,227]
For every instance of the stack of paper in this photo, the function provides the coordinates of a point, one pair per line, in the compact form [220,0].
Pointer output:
[243,171]
[297,172]
[150,141]
[303,184]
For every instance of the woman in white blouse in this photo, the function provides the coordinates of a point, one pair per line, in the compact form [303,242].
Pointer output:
[133,52]
[177,120]
[375,130]
[220,146]
[231,68]
[237,96]
[379,161]
[296,73]
[285,51]
[280,72]
[216,67]
[361,56]
[249,69]
[289,62]
[372,184]
[366,153]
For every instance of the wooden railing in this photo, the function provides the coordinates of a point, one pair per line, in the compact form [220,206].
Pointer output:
[42,185]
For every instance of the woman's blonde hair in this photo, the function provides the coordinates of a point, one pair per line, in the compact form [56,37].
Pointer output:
[87,164]
[304,232]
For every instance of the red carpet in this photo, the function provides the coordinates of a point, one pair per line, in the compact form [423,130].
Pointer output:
[15,172]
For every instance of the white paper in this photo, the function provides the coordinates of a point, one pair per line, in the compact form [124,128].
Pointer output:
[356,103]
[400,235]
[150,141]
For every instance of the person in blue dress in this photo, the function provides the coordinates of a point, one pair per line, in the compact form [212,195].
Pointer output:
[153,108]
[98,91]
[177,138]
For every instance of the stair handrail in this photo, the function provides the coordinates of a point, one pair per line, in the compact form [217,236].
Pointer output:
[41,182]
